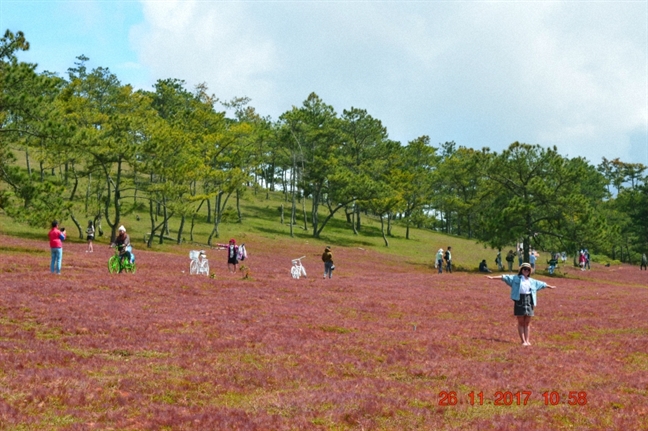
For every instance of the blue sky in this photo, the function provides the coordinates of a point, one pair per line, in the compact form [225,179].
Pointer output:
[568,73]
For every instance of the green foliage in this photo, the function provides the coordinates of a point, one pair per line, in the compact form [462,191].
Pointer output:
[86,146]
[534,194]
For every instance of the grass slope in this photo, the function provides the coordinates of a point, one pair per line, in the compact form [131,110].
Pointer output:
[261,221]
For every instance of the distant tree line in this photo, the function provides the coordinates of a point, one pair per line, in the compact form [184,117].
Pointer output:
[94,147]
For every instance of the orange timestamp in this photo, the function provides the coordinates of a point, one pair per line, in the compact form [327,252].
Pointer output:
[509,398]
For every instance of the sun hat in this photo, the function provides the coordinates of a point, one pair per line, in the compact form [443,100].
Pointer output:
[441,250]
[328,247]
[122,228]
[524,265]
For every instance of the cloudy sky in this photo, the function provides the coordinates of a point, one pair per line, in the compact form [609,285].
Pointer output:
[573,74]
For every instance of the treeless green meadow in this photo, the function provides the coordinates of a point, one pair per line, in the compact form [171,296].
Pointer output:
[385,344]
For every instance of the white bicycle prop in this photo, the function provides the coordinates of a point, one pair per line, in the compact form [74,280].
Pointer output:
[297,269]
[199,263]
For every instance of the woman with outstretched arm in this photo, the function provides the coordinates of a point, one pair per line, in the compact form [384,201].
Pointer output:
[523,293]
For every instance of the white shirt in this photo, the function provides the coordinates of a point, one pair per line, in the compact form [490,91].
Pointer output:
[525,285]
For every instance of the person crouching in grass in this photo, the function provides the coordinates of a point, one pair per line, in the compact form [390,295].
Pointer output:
[523,293]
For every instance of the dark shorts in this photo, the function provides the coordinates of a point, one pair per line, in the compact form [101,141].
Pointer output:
[523,306]
[90,238]
[232,260]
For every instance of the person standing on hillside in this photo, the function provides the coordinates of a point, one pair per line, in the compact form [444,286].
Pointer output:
[523,293]
[498,261]
[448,259]
[439,260]
[510,258]
[56,238]
[90,234]
[644,262]
[532,260]
[327,258]
[232,254]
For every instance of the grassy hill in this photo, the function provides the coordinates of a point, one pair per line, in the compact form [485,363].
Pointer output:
[261,222]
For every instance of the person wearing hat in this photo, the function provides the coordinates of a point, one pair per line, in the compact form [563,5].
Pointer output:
[123,244]
[232,254]
[327,258]
[439,260]
[523,293]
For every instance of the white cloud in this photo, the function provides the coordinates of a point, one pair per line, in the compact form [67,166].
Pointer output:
[571,74]
[205,42]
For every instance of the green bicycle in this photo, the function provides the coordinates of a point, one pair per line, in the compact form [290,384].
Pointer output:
[117,264]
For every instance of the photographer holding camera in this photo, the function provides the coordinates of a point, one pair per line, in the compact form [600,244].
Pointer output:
[56,238]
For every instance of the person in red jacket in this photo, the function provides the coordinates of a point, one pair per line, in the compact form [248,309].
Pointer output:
[56,238]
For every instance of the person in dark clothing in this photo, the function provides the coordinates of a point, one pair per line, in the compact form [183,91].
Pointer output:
[327,258]
[510,258]
[483,267]
[448,259]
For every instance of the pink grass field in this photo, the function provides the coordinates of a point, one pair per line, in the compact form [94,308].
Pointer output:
[376,347]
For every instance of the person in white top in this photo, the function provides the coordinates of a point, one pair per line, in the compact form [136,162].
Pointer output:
[523,293]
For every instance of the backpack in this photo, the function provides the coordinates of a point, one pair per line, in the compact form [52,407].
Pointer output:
[242,252]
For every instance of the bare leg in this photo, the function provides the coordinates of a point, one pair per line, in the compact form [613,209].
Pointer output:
[520,320]
[527,329]
[524,323]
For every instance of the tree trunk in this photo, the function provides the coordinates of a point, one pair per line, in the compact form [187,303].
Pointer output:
[382,230]
[220,206]
[193,219]
[166,219]
[135,184]
[182,222]
[304,208]
[292,208]
[97,224]
[87,198]
[315,206]
[238,206]
[77,225]
[357,221]
[149,243]
[74,189]
[29,172]
[116,201]
[154,228]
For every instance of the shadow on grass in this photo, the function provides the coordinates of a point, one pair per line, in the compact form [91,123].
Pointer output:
[29,235]
[11,250]
[496,340]
[297,231]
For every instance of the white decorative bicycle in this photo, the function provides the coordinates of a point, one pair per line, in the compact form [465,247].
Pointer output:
[297,269]
[199,263]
